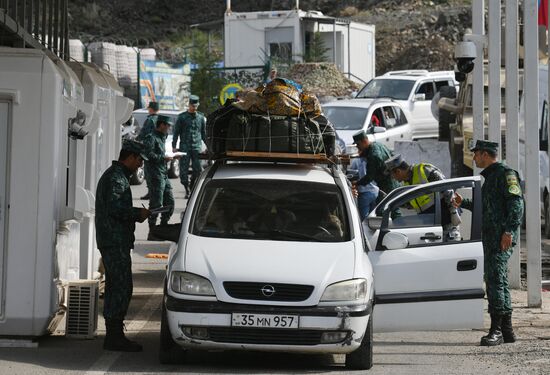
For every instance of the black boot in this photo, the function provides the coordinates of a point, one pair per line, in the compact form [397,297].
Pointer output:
[494,337]
[507,331]
[151,235]
[115,340]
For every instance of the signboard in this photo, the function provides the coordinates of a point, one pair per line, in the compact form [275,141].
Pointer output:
[165,83]
[229,92]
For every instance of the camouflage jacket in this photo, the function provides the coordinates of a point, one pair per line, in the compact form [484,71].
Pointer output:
[156,151]
[502,202]
[114,215]
[191,130]
[376,155]
[148,126]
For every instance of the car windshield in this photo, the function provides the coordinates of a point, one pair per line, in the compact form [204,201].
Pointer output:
[398,89]
[346,118]
[278,210]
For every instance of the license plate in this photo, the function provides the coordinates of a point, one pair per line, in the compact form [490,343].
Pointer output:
[265,321]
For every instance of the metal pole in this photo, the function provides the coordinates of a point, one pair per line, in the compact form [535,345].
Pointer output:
[334,41]
[478,105]
[494,72]
[138,98]
[50,24]
[44,17]
[532,177]
[55,20]
[349,50]
[36,28]
[512,117]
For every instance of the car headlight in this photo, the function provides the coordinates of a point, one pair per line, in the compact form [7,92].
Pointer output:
[188,283]
[349,290]
[351,149]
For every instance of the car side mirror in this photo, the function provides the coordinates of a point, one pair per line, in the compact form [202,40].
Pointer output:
[374,222]
[395,241]
[419,97]
[378,129]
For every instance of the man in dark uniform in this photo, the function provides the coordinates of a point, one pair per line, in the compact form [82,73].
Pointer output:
[115,220]
[423,173]
[191,130]
[502,201]
[376,154]
[160,189]
[148,126]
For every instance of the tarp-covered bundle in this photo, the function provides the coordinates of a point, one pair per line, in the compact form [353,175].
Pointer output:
[277,117]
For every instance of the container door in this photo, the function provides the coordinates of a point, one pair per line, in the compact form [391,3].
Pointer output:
[4,117]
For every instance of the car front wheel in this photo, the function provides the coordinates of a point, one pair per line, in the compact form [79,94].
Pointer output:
[361,358]
[170,353]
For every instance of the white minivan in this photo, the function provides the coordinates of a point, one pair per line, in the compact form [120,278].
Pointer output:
[272,256]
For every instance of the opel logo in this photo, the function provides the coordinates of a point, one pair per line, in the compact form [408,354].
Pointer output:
[268,290]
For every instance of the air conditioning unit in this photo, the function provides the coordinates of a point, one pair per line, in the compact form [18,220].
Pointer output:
[82,309]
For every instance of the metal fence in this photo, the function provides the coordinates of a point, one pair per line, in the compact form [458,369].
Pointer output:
[35,24]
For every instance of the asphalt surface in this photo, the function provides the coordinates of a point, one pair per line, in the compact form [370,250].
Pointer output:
[454,352]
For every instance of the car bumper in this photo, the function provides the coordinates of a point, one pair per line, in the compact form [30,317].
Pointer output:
[214,320]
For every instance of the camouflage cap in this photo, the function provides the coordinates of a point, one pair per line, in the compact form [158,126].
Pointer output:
[485,146]
[394,162]
[135,147]
[359,136]
[153,105]
[164,119]
[194,99]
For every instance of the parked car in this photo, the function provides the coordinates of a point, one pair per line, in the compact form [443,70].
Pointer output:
[414,91]
[273,257]
[350,116]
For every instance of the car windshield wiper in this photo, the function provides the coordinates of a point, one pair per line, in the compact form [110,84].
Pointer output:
[296,235]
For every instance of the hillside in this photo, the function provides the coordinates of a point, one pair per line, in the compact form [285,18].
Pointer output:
[409,33]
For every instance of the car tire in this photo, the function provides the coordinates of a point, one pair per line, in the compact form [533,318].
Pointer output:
[547,216]
[361,358]
[445,117]
[170,353]
[174,170]
[138,177]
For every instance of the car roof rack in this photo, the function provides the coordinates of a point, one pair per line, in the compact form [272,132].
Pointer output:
[407,72]
[281,157]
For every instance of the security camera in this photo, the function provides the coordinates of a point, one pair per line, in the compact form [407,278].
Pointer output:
[465,54]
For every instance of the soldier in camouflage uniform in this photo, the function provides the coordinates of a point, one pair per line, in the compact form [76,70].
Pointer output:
[149,125]
[376,154]
[115,224]
[502,201]
[191,130]
[160,189]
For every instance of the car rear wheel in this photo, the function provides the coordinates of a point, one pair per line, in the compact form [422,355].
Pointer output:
[361,358]
[170,353]
[138,177]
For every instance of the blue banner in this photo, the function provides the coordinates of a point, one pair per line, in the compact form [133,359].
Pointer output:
[164,83]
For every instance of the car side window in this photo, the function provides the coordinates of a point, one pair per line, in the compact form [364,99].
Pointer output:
[400,117]
[440,84]
[427,88]
[389,117]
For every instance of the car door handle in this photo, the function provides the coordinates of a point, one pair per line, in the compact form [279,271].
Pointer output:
[430,236]
[466,265]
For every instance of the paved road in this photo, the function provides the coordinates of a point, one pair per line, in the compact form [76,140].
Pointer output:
[453,352]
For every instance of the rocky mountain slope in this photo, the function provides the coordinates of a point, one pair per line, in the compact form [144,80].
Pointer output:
[409,33]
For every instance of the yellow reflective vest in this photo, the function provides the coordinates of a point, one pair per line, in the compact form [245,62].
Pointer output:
[423,202]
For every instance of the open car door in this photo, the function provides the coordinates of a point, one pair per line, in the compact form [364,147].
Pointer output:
[429,285]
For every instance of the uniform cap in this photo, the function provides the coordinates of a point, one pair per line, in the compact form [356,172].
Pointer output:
[153,105]
[485,146]
[394,162]
[164,119]
[193,99]
[135,147]
[359,136]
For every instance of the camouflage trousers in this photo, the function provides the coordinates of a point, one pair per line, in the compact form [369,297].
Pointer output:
[160,194]
[193,157]
[118,282]
[496,277]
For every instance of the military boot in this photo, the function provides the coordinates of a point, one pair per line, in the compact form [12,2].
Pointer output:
[494,337]
[507,331]
[115,340]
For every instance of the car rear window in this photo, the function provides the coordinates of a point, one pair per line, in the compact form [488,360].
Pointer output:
[398,89]
[278,210]
[346,118]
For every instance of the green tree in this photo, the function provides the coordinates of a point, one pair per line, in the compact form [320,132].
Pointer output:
[206,81]
[316,49]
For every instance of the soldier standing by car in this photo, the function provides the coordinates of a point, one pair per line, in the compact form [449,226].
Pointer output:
[159,185]
[502,201]
[422,173]
[148,126]
[191,130]
[115,224]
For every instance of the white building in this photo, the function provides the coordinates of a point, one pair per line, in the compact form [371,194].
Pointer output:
[251,38]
